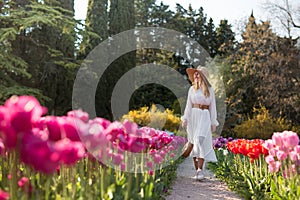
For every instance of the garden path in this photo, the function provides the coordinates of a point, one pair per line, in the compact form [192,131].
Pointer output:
[185,187]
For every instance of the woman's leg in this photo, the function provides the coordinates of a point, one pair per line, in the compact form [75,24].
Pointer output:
[195,162]
[201,160]
[200,163]
[200,174]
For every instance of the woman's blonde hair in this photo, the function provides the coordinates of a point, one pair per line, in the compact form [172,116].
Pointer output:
[206,85]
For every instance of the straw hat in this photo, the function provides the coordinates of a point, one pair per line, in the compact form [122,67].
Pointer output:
[200,69]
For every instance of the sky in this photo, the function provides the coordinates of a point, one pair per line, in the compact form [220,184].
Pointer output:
[236,12]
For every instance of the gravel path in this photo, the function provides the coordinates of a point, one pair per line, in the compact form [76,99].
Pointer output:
[185,187]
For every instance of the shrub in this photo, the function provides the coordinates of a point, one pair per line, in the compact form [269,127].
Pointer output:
[154,118]
[262,125]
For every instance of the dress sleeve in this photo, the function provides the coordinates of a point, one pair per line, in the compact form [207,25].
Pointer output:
[213,109]
[188,106]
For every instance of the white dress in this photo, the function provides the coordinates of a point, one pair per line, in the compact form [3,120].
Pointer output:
[199,123]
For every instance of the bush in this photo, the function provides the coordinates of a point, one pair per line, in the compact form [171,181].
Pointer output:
[262,125]
[154,118]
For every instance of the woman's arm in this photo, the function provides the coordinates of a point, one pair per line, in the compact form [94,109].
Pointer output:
[213,110]
[188,109]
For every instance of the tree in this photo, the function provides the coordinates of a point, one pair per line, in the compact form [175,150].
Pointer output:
[285,13]
[225,38]
[96,26]
[211,38]
[265,72]
[121,17]
[32,50]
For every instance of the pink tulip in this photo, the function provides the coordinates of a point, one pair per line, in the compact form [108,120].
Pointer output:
[157,158]
[274,167]
[71,128]
[51,123]
[269,159]
[277,139]
[163,153]
[268,144]
[4,195]
[114,131]
[18,116]
[273,152]
[149,164]
[290,139]
[290,172]
[297,149]
[281,155]
[70,151]
[101,121]
[24,183]
[171,148]
[123,166]
[130,127]
[6,130]
[147,131]
[79,114]
[40,154]
[293,155]
[94,138]
[24,112]
[151,172]
[117,159]
[2,148]
[136,145]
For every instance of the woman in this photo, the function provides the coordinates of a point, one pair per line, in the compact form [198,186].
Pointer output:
[200,118]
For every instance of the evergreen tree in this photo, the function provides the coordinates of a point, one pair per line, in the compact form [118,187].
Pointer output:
[144,11]
[211,38]
[225,38]
[30,47]
[121,18]
[96,26]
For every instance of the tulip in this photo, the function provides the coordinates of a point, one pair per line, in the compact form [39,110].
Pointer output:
[79,114]
[269,159]
[117,159]
[70,151]
[51,123]
[4,195]
[293,156]
[24,183]
[149,164]
[277,139]
[2,148]
[24,111]
[281,155]
[113,131]
[157,158]
[123,166]
[290,139]
[274,167]
[40,154]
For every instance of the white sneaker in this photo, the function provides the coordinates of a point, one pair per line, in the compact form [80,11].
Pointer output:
[200,175]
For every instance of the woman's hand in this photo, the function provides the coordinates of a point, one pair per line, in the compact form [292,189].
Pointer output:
[213,128]
[184,123]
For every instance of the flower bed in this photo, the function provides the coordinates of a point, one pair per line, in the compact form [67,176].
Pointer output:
[260,169]
[74,157]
